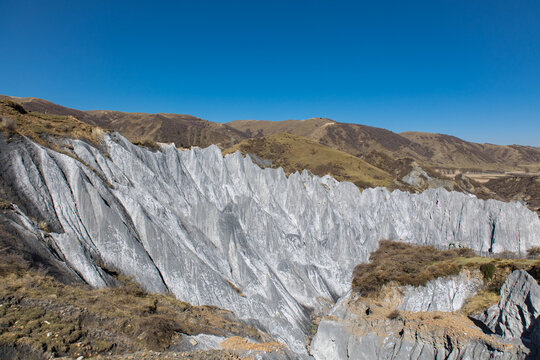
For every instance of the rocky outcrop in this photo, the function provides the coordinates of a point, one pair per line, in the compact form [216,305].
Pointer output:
[516,316]
[442,294]
[419,178]
[221,231]
[368,328]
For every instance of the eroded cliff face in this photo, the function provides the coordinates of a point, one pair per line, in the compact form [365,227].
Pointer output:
[429,325]
[221,231]
[516,315]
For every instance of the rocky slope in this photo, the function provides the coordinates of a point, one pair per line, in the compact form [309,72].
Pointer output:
[221,231]
[518,310]
[359,328]
[432,305]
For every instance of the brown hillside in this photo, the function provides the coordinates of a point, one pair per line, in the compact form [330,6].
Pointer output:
[518,188]
[431,150]
[294,153]
[452,152]
[352,138]
[183,130]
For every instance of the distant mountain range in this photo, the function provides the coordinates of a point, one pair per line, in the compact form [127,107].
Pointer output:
[365,155]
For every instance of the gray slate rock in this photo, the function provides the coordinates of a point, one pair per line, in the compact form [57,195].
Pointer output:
[222,231]
[442,294]
[344,335]
[516,315]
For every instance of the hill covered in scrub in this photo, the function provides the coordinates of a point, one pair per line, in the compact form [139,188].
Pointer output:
[429,150]
[435,160]
[294,153]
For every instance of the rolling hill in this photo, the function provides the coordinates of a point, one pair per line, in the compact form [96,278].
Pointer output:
[433,150]
[294,153]
[365,155]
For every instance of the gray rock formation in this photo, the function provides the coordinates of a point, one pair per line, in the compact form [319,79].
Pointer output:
[442,294]
[351,332]
[222,231]
[336,341]
[419,178]
[517,314]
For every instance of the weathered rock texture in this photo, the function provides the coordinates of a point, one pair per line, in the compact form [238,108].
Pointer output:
[517,314]
[442,294]
[222,231]
[363,328]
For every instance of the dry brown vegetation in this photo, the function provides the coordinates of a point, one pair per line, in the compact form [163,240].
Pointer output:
[407,264]
[404,264]
[534,252]
[295,153]
[524,188]
[44,128]
[54,319]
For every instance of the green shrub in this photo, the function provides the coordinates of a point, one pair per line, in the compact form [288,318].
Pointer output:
[487,270]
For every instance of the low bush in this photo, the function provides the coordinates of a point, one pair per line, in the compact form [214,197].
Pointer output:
[487,270]
[394,315]
[149,144]
[534,252]
[8,123]
[405,264]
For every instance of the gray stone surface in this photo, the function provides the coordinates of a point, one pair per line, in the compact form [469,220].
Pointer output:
[194,222]
[347,336]
[335,341]
[419,178]
[200,342]
[516,316]
[442,294]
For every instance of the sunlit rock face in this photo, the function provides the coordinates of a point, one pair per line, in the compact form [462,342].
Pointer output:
[510,331]
[222,231]
[442,294]
[349,335]
[518,312]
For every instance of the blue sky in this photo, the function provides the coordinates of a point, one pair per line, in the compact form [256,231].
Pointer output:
[465,68]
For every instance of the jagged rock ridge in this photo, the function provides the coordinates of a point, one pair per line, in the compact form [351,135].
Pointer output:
[222,231]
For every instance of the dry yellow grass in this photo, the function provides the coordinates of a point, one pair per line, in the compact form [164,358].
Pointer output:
[240,344]
[294,153]
[44,128]
[480,302]
[62,320]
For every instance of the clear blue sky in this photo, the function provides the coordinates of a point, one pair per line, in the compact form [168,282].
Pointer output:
[466,68]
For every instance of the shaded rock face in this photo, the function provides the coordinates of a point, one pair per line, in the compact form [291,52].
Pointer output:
[516,316]
[222,231]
